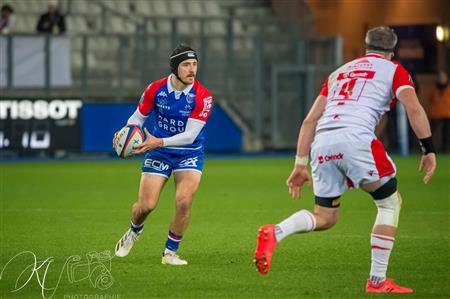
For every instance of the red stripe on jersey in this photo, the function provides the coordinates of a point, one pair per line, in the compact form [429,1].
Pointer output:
[203,103]
[350,183]
[401,78]
[147,101]
[382,163]
[324,91]
[380,248]
[392,103]
[383,238]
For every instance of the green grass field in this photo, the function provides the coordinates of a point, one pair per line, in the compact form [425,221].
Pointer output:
[62,209]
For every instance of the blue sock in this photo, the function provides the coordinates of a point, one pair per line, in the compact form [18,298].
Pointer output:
[173,241]
[136,228]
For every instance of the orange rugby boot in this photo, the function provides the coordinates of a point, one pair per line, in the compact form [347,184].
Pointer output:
[265,246]
[387,286]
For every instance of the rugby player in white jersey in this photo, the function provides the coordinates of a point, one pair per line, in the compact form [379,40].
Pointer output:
[338,133]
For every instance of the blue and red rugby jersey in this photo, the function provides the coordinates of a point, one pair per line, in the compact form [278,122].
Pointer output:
[173,108]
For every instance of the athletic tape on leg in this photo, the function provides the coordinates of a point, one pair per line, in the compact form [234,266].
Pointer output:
[388,210]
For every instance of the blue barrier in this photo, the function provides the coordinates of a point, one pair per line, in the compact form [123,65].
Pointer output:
[100,121]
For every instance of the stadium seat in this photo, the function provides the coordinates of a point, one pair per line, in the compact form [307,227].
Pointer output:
[79,7]
[215,27]
[36,6]
[212,8]
[119,25]
[22,7]
[143,7]
[177,8]
[160,8]
[25,24]
[151,26]
[103,44]
[163,26]
[188,27]
[195,8]
[76,24]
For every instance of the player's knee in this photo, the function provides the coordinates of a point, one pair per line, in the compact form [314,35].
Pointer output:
[184,207]
[388,202]
[184,203]
[145,207]
[327,221]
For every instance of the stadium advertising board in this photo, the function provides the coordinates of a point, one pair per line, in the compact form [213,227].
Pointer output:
[29,126]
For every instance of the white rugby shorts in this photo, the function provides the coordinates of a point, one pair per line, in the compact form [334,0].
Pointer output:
[346,158]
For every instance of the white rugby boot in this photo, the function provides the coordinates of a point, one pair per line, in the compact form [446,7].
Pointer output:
[125,243]
[170,258]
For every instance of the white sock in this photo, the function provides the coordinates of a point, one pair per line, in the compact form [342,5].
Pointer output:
[302,221]
[381,250]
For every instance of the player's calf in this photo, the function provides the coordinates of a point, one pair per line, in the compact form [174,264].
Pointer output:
[388,202]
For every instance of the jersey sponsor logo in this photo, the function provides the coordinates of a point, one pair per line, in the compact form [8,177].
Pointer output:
[162,93]
[356,74]
[187,110]
[156,165]
[326,158]
[162,103]
[190,98]
[361,64]
[189,162]
[170,124]
[207,105]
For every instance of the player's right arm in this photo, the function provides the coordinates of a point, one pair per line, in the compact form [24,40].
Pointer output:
[299,174]
[145,106]
[421,127]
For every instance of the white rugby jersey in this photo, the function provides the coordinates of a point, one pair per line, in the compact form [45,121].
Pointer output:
[361,91]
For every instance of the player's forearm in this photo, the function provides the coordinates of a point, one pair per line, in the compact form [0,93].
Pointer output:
[178,140]
[137,118]
[306,137]
[419,122]
[191,132]
[416,114]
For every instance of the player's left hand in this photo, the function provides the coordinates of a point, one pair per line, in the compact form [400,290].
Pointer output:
[298,177]
[428,165]
[151,142]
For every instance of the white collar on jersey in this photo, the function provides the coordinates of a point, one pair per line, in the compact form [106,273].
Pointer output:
[371,54]
[177,92]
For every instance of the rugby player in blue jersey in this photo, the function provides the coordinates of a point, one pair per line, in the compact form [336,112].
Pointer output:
[181,107]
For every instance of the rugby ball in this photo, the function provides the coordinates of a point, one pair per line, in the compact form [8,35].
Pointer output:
[128,137]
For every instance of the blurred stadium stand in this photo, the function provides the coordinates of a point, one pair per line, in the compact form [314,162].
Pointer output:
[262,69]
